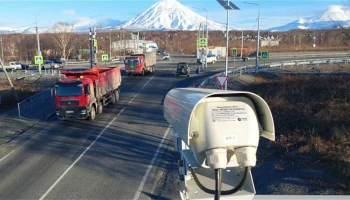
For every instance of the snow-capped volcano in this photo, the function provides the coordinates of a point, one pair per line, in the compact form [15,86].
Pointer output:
[335,16]
[170,15]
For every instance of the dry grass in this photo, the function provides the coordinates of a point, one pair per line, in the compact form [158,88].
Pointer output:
[311,116]
[333,68]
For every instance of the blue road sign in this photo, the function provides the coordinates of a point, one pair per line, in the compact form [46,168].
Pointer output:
[264,55]
[234,51]
[38,60]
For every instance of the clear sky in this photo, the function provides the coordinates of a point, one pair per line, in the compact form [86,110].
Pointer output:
[16,14]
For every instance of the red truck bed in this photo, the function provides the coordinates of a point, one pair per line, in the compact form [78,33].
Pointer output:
[108,79]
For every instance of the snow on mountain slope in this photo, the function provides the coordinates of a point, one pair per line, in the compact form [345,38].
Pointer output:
[335,16]
[169,15]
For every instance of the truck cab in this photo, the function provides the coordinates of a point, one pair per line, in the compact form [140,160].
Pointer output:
[73,98]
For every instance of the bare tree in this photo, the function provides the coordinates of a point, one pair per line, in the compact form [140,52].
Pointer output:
[62,34]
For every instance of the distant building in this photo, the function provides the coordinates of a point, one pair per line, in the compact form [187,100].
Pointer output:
[269,43]
[212,50]
[133,45]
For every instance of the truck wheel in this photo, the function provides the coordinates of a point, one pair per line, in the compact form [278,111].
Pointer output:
[143,72]
[92,113]
[100,108]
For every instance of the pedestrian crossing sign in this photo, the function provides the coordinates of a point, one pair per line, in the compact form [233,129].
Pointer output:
[202,42]
[265,55]
[38,60]
[104,57]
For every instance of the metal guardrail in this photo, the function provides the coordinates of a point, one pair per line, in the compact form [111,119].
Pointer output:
[28,105]
[280,65]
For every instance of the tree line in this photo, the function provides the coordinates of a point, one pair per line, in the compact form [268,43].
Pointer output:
[63,42]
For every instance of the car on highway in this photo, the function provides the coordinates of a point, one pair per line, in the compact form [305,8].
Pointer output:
[166,56]
[161,52]
[49,64]
[23,65]
[251,56]
[210,59]
[183,69]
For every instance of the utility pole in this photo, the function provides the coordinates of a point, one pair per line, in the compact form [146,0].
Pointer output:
[110,45]
[38,41]
[91,43]
[226,58]
[258,44]
[9,80]
[242,44]
[2,49]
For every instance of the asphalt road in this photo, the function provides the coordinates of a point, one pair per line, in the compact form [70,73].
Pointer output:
[117,156]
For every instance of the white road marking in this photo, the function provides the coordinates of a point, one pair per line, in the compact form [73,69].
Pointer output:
[81,155]
[141,89]
[7,155]
[150,166]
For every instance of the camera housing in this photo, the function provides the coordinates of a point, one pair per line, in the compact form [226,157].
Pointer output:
[220,128]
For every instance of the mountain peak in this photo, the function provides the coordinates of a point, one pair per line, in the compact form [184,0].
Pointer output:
[334,16]
[169,15]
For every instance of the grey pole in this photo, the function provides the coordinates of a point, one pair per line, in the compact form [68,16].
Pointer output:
[242,44]
[2,49]
[258,39]
[206,51]
[110,46]
[226,59]
[258,44]
[90,40]
[38,41]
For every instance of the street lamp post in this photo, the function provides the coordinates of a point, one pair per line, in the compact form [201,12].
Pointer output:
[258,39]
[206,24]
[2,50]
[228,6]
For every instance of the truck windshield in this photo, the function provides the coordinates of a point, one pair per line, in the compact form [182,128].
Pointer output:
[68,89]
[131,62]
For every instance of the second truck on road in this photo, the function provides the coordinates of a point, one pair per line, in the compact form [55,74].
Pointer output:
[140,63]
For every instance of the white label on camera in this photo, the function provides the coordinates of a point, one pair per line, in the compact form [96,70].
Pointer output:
[229,113]
[230,138]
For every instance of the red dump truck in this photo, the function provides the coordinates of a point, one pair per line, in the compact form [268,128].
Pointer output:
[140,63]
[82,94]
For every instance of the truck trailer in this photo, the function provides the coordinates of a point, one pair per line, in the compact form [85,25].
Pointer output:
[140,63]
[82,94]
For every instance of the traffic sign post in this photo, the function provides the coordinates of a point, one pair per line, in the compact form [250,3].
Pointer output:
[104,58]
[38,60]
[234,53]
[202,42]
[222,80]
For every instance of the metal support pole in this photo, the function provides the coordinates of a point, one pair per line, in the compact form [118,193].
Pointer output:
[258,44]
[242,44]
[206,51]
[38,41]
[226,59]
[9,80]
[110,46]
[90,38]
[2,50]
